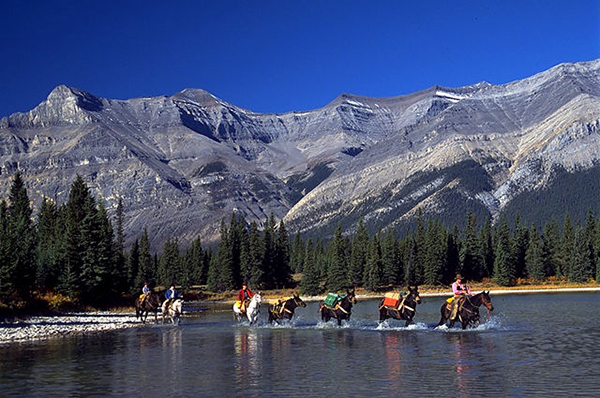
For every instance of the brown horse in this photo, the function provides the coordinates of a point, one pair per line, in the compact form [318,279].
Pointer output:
[285,310]
[406,310]
[341,311]
[151,303]
[468,313]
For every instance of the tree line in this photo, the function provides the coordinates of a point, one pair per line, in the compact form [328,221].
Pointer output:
[76,250]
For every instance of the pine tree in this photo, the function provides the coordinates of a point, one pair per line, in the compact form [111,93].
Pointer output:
[412,268]
[581,263]
[170,265]
[374,270]
[282,270]
[359,254]
[132,263]
[390,258]
[337,275]
[534,256]
[147,271]
[268,257]
[48,245]
[567,253]
[253,270]
[225,261]
[435,257]
[520,243]
[551,248]
[486,249]
[310,283]
[20,257]
[297,256]
[471,263]
[503,268]
[120,271]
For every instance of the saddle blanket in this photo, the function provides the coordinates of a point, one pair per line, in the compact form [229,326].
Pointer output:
[391,299]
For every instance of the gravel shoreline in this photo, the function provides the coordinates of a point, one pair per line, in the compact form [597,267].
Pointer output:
[45,327]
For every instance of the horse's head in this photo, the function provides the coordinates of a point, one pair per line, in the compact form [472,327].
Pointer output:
[298,301]
[257,297]
[486,300]
[351,296]
[413,293]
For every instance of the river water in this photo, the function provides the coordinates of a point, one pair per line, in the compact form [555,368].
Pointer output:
[531,345]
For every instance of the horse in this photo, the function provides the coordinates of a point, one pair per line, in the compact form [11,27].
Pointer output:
[252,309]
[174,311]
[406,310]
[468,313]
[285,310]
[341,311]
[151,303]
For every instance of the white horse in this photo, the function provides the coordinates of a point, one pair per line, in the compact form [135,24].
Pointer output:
[252,310]
[174,311]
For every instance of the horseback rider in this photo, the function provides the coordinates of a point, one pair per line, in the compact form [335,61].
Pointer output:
[244,295]
[170,295]
[145,293]
[460,291]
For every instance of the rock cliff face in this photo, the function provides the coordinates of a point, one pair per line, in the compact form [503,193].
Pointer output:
[183,163]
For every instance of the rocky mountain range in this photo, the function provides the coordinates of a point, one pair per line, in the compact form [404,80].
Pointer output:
[183,163]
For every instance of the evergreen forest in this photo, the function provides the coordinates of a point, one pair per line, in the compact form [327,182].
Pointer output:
[77,251]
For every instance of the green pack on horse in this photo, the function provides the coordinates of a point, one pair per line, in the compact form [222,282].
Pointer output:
[338,306]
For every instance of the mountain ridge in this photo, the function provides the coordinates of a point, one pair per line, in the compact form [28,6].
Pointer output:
[181,163]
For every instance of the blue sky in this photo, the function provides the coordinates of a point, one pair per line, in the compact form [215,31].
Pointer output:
[280,56]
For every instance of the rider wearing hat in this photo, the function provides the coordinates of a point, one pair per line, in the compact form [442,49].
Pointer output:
[460,291]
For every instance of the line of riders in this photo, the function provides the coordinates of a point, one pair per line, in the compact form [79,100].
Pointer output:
[462,307]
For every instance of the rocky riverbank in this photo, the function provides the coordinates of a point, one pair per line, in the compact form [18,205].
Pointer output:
[43,327]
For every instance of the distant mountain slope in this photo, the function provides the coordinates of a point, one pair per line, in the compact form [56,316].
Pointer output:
[182,163]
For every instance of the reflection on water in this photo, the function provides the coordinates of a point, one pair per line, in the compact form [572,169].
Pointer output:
[520,351]
[247,350]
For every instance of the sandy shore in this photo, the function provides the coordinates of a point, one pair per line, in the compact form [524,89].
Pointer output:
[44,327]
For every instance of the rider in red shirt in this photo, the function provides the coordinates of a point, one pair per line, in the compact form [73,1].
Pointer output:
[243,295]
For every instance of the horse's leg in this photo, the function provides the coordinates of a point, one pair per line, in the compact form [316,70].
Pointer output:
[382,315]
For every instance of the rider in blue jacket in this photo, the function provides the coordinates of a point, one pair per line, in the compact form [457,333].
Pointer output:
[171,295]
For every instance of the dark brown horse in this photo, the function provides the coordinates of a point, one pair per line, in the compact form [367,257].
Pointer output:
[342,310]
[406,310]
[285,310]
[150,304]
[468,313]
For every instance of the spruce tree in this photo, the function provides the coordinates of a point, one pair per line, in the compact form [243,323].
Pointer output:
[581,264]
[520,243]
[374,270]
[551,247]
[534,256]
[48,245]
[471,263]
[359,254]
[310,283]
[503,268]
[282,270]
[132,264]
[435,254]
[486,249]
[147,270]
[253,269]
[567,247]
[21,233]
[338,277]
[390,259]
